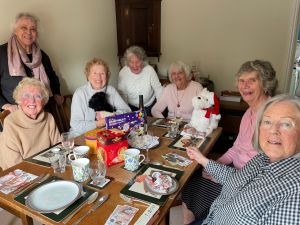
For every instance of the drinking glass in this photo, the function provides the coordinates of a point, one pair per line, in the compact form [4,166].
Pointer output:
[147,159]
[67,141]
[97,171]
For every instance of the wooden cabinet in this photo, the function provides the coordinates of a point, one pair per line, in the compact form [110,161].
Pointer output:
[231,115]
[138,23]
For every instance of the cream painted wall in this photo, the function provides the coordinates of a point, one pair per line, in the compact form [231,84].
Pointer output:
[218,35]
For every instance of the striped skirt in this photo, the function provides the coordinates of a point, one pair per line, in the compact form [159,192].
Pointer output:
[199,193]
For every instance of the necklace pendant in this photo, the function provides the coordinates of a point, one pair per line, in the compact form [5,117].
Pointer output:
[178,105]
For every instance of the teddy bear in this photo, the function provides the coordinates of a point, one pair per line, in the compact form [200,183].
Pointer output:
[205,116]
[99,103]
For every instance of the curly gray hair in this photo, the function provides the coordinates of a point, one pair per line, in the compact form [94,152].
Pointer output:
[265,73]
[26,15]
[136,51]
[30,82]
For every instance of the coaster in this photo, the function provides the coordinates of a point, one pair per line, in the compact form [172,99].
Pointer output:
[99,186]
[123,167]
[166,135]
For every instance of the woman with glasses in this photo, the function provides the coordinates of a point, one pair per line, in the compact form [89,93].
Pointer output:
[29,129]
[256,82]
[267,189]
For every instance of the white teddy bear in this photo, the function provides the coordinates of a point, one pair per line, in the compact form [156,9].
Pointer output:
[205,116]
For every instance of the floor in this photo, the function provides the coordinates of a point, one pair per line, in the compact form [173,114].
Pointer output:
[9,219]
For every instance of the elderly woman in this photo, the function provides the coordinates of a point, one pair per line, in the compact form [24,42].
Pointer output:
[177,96]
[84,118]
[267,189]
[29,129]
[138,78]
[22,57]
[256,82]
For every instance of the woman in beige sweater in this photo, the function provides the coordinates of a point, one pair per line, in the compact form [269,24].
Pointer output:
[29,129]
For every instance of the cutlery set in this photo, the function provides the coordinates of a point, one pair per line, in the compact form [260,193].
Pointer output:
[41,178]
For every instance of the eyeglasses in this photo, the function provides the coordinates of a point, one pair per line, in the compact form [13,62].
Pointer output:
[250,81]
[37,97]
[285,124]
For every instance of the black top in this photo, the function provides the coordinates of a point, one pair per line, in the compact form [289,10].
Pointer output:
[8,83]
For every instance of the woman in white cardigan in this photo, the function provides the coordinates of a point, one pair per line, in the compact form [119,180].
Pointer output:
[138,78]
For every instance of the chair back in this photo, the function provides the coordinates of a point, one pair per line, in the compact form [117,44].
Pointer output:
[62,114]
[3,114]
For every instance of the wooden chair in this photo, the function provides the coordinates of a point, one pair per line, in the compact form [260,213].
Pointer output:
[3,114]
[62,113]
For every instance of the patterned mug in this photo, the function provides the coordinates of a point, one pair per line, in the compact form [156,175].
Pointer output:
[132,159]
[80,168]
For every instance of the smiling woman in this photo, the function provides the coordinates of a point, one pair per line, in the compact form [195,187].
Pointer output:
[28,124]
[83,117]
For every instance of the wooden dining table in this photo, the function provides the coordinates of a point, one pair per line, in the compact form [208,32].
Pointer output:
[120,177]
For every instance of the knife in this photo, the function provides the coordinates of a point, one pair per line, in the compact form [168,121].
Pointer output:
[93,209]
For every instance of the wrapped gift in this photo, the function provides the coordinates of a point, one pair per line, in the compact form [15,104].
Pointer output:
[111,145]
[124,121]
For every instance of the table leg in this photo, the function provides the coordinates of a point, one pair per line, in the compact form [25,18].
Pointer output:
[26,220]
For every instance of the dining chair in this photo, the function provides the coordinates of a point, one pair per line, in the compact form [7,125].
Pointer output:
[62,113]
[3,114]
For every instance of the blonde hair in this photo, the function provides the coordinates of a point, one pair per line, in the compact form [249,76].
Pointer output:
[96,61]
[30,82]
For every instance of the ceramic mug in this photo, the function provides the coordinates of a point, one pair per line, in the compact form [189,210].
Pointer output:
[133,159]
[79,152]
[80,168]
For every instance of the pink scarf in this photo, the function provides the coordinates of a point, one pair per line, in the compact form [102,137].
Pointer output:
[16,55]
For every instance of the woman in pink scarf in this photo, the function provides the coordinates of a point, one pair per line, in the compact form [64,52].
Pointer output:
[21,57]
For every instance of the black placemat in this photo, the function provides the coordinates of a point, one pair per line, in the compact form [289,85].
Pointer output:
[42,163]
[159,201]
[56,217]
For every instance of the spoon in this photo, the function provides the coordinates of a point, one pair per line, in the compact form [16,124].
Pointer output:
[88,201]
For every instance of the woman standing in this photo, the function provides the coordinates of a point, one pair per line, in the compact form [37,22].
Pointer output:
[177,96]
[256,82]
[138,78]
[22,57]
[84,118]
[29,129]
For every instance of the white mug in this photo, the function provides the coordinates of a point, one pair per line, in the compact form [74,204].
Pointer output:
[79,152]
[80,168]
[132,159]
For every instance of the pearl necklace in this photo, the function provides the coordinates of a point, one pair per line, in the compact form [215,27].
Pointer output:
[179,101]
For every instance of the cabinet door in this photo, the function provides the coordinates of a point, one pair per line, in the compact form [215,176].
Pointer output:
[138,23]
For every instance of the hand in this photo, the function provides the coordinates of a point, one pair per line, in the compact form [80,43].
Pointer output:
[208,177]
[10,107]
[59,99]
[100,123]
[195,154]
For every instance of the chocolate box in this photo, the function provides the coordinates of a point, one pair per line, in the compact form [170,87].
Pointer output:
[111,145]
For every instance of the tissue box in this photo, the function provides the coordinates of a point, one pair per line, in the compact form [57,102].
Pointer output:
[111,145]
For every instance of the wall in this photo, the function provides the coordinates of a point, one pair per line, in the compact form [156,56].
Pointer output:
[217,35]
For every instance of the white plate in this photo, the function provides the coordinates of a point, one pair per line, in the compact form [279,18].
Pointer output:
[53,196]
[156,191]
